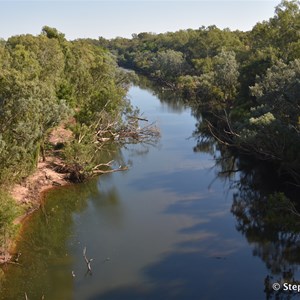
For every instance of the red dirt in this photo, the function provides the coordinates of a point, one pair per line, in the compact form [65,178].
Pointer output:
[29,192]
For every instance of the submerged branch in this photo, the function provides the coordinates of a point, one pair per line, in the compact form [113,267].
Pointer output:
[83,153]
[88,261]
[110,171]
[128,133]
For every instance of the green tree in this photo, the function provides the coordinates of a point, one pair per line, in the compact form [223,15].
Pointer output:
[52,33]
[279,91]
[226,73]
[169,63]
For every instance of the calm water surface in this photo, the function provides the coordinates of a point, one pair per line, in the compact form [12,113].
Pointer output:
[161,230]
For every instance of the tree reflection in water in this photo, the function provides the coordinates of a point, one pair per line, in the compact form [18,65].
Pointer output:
[264,214]
[261,205]
[273,231]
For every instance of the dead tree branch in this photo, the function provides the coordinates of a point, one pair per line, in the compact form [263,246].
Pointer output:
[88,261]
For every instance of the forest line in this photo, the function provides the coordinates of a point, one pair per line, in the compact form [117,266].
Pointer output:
[45,82]
[246,85]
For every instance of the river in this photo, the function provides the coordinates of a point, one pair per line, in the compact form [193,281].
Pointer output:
[167,228]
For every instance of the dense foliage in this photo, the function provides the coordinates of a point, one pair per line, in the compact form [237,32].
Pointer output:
[45,80]
[8,212]
[247,83]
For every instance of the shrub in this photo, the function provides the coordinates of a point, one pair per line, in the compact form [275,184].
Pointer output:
[8,212]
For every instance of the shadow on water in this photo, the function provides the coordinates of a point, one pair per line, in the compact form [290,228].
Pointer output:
[212,262]
[168,98]
[178,276]
[271,226]
[46,246]
[266,208]
[268,220]
[45,262]
[213,255]
[211,266]
[171,181]
[205,265]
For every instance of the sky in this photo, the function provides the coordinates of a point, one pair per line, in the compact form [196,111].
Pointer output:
[83,19]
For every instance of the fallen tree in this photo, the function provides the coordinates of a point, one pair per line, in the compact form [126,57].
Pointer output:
[265,138]
[82,155]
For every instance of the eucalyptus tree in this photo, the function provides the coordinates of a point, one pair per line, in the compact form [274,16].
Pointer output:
[169,64]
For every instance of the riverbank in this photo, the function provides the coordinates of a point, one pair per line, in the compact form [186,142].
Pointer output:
[53,170]
[29,193]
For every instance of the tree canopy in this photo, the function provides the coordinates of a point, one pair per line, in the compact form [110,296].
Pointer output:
[252,76]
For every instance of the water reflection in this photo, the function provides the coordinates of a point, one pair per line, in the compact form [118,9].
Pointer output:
[272,231]
[264,216]
[170,100]
[46,248]
[165,228]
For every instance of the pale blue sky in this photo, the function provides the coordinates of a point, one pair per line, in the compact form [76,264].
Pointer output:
[122,18]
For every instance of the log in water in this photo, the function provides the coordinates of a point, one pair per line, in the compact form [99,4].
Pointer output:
[167,228]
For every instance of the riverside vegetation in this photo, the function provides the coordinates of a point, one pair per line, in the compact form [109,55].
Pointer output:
[244,86]
[47,81]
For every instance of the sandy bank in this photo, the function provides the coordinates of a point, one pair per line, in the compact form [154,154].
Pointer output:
[29,193]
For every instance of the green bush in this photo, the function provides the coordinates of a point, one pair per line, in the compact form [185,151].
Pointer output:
[8,213]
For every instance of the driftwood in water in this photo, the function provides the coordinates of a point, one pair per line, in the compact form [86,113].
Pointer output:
[130,132]
[88,261]
[26,297]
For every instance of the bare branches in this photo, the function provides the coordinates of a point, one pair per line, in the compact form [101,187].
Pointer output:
[103,165]
[83,154]
[138,118]
[88,261]
[110,171]
[230,131]
[130,132]
[226,135]
[26,297]
[210,128]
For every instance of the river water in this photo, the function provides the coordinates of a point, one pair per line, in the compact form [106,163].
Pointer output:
[168,228]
